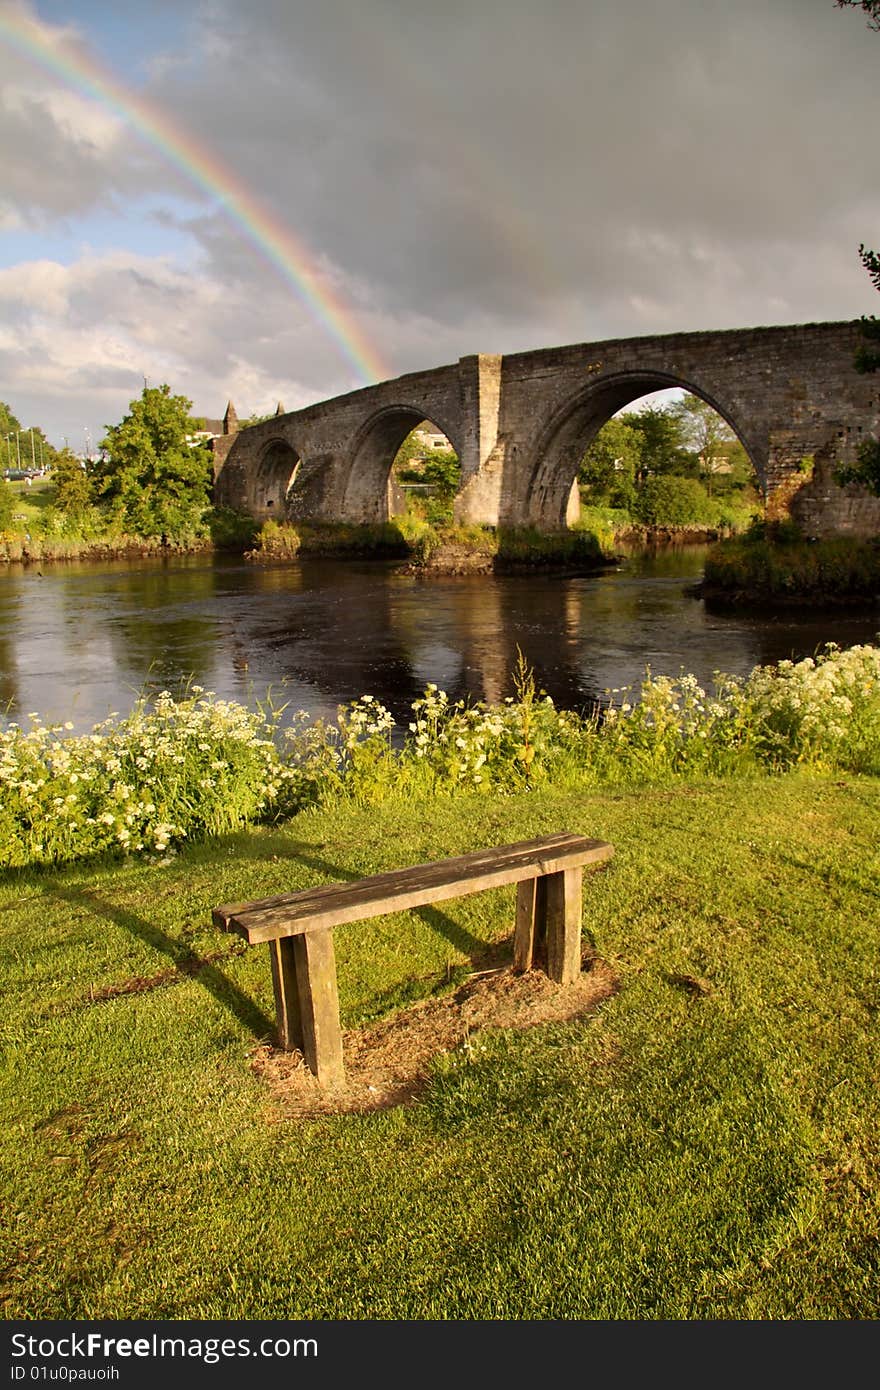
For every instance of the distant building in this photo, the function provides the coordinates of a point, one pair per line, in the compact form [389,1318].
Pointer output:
[431,438]
[212,429]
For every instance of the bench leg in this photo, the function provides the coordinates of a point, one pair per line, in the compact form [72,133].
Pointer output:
[547,935]
[307,1001]
[289,1024]
[529,937]
[564,891]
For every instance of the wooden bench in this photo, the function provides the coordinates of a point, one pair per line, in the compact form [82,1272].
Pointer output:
[297,927]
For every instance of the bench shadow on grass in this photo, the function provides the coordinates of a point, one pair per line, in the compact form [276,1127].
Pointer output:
[185,963]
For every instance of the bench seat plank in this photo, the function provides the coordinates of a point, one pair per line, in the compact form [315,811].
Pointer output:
[330,905]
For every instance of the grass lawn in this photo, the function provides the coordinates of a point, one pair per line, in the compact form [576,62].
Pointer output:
[704,1145]
[31,502]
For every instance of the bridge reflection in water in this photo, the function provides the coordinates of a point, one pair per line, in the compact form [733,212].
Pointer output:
[80,641]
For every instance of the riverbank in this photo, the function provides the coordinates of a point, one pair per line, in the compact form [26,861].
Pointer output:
[442,550]
[39,550]
[427,548]
[791,572]
[174,771]
[698,1144]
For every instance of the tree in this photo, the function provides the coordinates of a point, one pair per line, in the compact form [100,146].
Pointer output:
[670,501]
[9,427]
[870,7]
[149,479]
[662,449]
[705,435]
[73,487]
[438,469]
[609,468]
[867,358]
[7,505]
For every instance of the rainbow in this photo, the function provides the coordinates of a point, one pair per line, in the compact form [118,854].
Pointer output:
[266,232]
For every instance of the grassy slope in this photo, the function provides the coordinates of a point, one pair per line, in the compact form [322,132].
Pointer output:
[676,1156]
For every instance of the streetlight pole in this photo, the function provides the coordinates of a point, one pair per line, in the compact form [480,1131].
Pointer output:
[18,447]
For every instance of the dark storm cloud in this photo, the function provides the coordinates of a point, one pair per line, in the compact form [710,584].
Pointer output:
[518,155]
[481,176]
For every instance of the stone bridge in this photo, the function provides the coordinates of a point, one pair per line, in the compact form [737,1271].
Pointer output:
[520,425]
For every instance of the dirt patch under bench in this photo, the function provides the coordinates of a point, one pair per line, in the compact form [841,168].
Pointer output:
[387,1063]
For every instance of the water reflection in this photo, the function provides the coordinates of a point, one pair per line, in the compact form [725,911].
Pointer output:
[81,640]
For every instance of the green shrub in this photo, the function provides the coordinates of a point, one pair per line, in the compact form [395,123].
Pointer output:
[827,569]
[672,501]
[7,505]
[232,530]
[525,545]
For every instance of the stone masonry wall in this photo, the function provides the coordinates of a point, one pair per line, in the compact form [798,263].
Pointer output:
[521,423]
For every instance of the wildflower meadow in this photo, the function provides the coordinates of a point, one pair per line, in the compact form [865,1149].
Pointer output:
[191,768]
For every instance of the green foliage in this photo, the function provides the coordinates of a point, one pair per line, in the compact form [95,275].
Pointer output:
[232,530]
[673,501]
[610,466]
[73,487]
[865,472]
[8,422]
[285,540]
[199,766]
[662,448]
[867,357]
[704,434]
[870,7]
[525,546]
[7,505]
[777,563]
[170,770]
[629,456]
[871,262]
[411,449]
[438,470]
[149,479]
[25,447]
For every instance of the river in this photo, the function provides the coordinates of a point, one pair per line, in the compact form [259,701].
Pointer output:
[79,641]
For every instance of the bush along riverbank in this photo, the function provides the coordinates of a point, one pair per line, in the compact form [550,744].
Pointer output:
[436,547]
[777,563]
[176,771]
[42,534]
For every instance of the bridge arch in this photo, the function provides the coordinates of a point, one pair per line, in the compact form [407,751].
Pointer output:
[572,428]
[373,452]
[275,473]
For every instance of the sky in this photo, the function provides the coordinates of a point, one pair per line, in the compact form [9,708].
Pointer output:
[289,199]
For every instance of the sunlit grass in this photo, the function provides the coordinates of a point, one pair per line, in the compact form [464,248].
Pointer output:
[703,1147]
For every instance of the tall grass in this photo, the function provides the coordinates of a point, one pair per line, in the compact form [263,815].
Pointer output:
[764,567]
[286,540]
[196,767]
